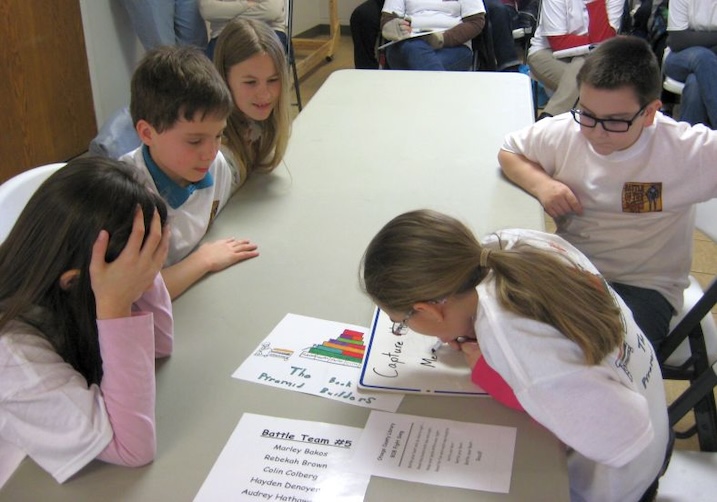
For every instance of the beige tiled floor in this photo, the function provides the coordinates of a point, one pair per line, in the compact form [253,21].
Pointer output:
[704,266]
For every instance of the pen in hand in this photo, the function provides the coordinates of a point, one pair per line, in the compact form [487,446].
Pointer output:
[405,17]
[439,343]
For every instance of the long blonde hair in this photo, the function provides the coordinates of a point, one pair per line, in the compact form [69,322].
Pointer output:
[240,40]
[425,255]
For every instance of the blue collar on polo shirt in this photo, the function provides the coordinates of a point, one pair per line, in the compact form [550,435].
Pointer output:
[174,194]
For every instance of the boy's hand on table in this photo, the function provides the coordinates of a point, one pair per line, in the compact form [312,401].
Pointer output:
[223,253]
[558,200]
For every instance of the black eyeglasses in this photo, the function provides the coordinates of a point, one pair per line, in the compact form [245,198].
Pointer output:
[610,125]
[401,328]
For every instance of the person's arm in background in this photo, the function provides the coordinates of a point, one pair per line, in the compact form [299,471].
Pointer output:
[679,40]
[681,36]
[394,26]
[469,28]
[599,29]
[217,10]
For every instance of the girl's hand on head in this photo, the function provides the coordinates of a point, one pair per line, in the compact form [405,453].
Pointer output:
[119,284]
[223,253]
[471,352]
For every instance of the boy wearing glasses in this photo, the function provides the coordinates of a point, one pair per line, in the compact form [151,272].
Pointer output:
[620,179]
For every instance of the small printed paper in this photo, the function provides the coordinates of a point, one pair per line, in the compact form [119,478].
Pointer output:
[316,357]
[268,458]
[436,451]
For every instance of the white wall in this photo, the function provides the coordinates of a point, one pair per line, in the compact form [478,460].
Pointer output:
[345,9]
[309,13]
[113,49]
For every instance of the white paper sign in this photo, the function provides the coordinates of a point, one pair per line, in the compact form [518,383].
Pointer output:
[278,459]
[317,357]
[436,451]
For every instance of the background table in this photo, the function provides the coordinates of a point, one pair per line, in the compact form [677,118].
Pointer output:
[369,145]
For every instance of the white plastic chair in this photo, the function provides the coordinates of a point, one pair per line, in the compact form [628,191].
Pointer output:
[16,191]
[673,86]
[689,478]
[690,350]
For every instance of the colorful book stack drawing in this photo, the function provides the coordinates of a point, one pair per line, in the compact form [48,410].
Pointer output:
[346,350]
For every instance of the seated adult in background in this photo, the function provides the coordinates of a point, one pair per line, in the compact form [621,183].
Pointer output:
[692,42]
[218,13]
[569,24]
[166,22]
[448,48]
[365,27]
[529,7]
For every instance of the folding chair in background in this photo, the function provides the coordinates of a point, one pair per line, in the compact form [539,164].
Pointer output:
[690,350]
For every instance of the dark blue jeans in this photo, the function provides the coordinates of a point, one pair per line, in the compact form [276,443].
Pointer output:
[652,312]
[697,68]
[501,26]
[417,54]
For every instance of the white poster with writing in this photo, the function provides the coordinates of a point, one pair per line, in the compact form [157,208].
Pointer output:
[316,357]
[413,363]
[436,451]
[278,459]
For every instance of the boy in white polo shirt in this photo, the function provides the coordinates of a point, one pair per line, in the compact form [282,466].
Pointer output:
[179,107]
[620,179]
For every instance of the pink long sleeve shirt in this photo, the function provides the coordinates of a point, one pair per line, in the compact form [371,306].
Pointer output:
[48,411]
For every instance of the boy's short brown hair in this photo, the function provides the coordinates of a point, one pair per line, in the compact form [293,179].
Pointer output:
[623,61]
[177,82]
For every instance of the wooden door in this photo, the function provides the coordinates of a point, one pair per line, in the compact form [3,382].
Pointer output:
[46,108]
